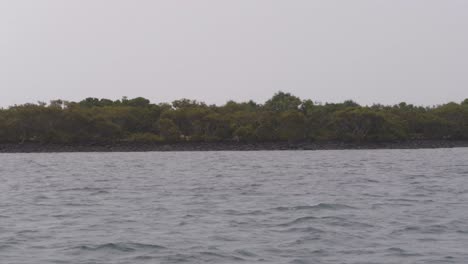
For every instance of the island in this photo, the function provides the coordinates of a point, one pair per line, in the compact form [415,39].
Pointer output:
[284,122]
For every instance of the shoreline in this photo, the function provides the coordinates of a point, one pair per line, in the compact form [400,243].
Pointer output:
[226,146]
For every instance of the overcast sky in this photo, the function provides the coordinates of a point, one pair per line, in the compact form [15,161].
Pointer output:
[370,51]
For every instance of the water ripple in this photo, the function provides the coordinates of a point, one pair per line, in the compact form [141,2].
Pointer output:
[362,206]
[123,247]
[320,206]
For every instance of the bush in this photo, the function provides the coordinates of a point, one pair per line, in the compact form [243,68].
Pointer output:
[144,138]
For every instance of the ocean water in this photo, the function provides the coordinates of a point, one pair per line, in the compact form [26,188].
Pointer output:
[352,206]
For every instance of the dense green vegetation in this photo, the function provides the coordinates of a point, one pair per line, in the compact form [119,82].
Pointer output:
[282,118]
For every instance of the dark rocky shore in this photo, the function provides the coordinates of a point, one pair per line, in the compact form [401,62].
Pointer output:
[225,146]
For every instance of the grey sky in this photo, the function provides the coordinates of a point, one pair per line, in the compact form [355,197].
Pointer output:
[215,50]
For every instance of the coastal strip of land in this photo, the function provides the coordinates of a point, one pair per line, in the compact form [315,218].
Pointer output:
[226,146]
[138,124]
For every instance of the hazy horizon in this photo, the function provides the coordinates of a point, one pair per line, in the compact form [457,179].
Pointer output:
[214,51]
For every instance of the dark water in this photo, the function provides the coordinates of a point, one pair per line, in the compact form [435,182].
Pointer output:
[376,206]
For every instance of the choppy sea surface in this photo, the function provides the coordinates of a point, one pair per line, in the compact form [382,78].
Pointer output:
[351,206]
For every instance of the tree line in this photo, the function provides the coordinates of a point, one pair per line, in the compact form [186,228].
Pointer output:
[284,117]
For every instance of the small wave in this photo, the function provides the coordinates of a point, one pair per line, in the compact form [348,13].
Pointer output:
[428,239]
[304,240]
[77,204]
[62,215]
[144,258]
[301,261]
[436,229]
[180,258]
[433,229]
[99,192]
[382,205]
[83,189]
[344,222]
[188,216]
[37,163]
[373,195]
[365,180]
[403,200]
[224,238]
[123,247]
[246,253]
[41,197]
[416,176]
[235,212]
[408,229]
[299,220]
[221,256]
[5,247]
[302,230]
[320,206]
[28,231]
[401,252]
[357,252]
